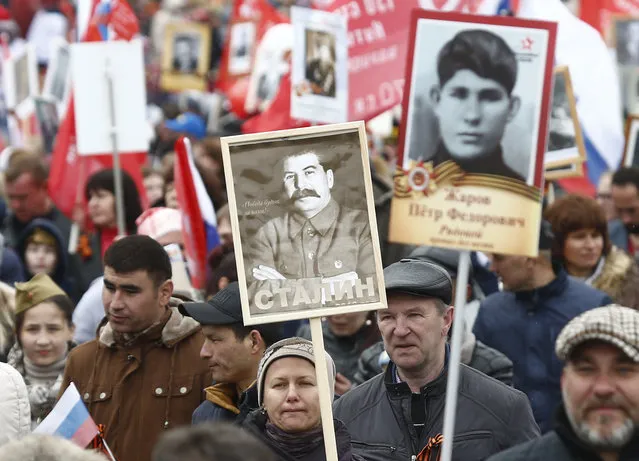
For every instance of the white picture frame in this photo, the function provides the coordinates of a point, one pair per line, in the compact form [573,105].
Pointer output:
[263,201]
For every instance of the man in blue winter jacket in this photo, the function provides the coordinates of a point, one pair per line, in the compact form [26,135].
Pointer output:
[524,320]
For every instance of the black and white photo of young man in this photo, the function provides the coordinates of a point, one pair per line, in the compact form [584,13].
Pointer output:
[186,49]
[473,101]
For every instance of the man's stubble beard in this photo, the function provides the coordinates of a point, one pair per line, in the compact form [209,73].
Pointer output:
[615,441]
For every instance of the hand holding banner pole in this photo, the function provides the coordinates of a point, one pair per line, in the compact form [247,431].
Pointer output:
[323,384]
[452,385]
[117,171]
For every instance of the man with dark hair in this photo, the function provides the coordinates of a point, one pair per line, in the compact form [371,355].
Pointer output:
[473,102]
[317,240]
[399,414]
[232,352]
[214,442]
[599,415]
[142,374]
[624,231]
[28,198]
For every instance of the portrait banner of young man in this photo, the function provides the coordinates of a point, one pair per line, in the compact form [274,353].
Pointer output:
[319,73]
[474,133]
[303,219]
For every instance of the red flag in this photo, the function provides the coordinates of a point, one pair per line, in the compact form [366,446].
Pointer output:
[278,114]
[192,223]
[69,171]
[255,17]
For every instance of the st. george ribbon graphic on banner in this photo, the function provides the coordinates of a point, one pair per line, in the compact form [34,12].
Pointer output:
[470,167]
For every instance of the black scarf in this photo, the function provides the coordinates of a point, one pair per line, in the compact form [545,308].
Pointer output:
[297,445]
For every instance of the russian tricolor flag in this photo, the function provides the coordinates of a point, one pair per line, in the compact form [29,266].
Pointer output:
[595,83]
[198,214]
[70,419]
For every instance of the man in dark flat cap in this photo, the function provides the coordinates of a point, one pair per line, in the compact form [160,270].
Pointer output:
[399,414]
[474,101]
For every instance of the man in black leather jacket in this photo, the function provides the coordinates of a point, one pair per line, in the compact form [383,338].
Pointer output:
[398,415]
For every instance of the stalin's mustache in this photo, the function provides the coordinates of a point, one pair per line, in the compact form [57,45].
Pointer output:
[301,193]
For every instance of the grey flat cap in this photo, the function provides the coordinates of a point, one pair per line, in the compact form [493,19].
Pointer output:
[419,278]
[616,325]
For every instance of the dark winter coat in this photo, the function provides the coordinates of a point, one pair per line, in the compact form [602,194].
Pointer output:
[223,404]
[562,444]
[256,424]
[491,417]
[525,326]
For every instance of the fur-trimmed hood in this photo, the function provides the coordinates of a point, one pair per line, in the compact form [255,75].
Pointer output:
[176,328]
[619,278]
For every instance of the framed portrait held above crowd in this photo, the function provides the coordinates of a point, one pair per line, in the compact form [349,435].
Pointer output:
[474,129]
[565,141]
[186,57]
[631,149]
[303,213]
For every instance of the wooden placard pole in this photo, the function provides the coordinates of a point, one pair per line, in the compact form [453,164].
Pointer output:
[323,386]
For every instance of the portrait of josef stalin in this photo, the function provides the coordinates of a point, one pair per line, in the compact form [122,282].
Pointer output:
[473,102]
[316,239]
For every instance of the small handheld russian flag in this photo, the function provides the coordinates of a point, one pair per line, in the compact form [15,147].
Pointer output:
[70,419]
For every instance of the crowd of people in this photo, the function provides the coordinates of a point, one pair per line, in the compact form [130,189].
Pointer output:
[550,344]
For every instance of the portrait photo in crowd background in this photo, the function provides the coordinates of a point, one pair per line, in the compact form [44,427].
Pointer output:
[624,41]
[242,47]
[46,110]
[631,150]
[186,57]
[475,124]
[20,78]
[303,216]
[565,141]
[57,81]
[319,73]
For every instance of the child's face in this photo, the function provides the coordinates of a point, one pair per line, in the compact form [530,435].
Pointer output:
[40,258]
[472,113]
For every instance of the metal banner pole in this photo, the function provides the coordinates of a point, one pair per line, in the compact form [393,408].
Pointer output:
[452,385]
[117,172]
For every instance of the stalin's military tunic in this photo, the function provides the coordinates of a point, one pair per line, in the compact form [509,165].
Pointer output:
[336,241]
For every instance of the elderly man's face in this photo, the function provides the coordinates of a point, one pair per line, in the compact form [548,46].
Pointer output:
[600,387]
[306,184]
[472,113]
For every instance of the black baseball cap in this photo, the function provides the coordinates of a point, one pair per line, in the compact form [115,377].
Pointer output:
[419,278]
[224,308]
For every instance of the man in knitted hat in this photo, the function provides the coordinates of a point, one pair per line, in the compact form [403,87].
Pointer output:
[599,416]
[524,319]
[398,415]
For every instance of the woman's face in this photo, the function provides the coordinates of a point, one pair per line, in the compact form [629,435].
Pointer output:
[344,325]
[582,250]
[170,197]
[291,398]
[154,185]
[40,258]
[45,334]
[102,208]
